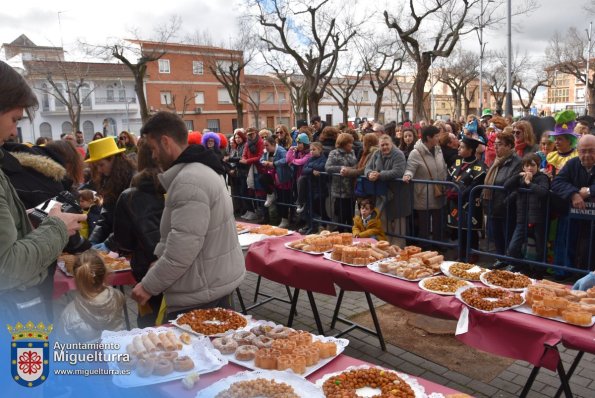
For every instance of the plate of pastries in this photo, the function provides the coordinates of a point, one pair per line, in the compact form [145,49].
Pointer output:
[443,285]
[270,230]
[558,302]
[212,321]
[466,271]
[411,264]
[489,299]
[365,381]
[362,253]
[156,355]
[277,347]
[317,244]
[514,281]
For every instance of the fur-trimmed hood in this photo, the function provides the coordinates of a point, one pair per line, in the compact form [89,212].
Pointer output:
[42,164]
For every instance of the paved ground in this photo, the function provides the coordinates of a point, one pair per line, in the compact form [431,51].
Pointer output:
[365,347]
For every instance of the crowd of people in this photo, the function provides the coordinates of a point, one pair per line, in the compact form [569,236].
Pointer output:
[163,199]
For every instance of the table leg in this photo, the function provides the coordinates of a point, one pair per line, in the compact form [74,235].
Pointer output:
[564,380]
[578,358]
[376,323]
[315,312]
[241,300]
[337,308]
[530,381]
[257,289]
[268,297]
[126,318]
[294,300]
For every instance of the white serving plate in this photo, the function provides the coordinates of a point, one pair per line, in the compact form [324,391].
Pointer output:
[206,358]
[525,309]
[302,387]
[445,268]
[484,280]
[250,324]
[461,290]
[423,287]
[341,344]
[287,245]
[417,388]
[249,238]
[375,267]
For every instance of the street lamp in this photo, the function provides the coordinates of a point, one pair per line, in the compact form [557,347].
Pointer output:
[509,111]
[125,99]
[587,71]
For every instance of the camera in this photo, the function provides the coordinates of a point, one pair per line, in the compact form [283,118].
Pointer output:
[64,198]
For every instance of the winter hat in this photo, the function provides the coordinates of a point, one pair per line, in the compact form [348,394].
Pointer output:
[565,123]
[303,138]
[194,138]
[208,135]
[301,123]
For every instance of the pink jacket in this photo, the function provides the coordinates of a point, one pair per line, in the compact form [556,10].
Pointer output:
[298,159]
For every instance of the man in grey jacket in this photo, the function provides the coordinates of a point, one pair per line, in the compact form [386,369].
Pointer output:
[200,262]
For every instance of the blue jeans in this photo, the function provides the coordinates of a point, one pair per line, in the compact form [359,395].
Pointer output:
[519,237]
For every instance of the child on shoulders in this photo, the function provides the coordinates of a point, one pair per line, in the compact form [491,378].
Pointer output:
[95,307]
[368,223]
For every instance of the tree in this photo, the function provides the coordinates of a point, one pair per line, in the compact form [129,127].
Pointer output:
[67,83]
[320,37]
[342,88]
[403,91]
[496,75]
[452,16]
[528,81]
[382,61]
[468,97]
[127,51]
[568,54]
[458,71]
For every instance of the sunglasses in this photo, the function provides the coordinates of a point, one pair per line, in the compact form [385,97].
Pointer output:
[517,132]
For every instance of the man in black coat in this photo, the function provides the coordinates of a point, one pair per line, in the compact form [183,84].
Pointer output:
[575,183]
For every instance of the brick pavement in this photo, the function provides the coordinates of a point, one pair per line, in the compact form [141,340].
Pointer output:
[366,347]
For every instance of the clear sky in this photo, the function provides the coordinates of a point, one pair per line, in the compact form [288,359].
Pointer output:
[95,21]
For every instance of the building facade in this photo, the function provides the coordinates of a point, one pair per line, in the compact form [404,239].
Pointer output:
[267,102]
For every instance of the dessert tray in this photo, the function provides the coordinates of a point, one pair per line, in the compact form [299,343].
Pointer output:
[375,266]
[513,281]
[288,246]
[249,323]
[340,344]
[328,256]
[417,389]
[526,309]
[199,350]
[300,386]
[242,228]
[472,274]
[248,238]
[113,263]
[490,297]
[443,285]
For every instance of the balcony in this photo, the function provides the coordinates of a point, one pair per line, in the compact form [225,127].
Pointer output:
[110,101]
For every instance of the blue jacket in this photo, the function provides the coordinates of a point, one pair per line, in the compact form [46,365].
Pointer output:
[572,178]
[319,185]
[280,161]
[314,164]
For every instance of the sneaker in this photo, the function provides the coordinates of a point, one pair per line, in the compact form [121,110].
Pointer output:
[300,209]
[245,214]
[270,199]
[497,265]
[251,216]
[305,231]
[284,223]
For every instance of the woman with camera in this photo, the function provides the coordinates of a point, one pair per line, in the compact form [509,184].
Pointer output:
[25,253]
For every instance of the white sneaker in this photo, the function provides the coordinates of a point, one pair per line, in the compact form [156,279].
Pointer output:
[300,209]
[251,216]
[245,214]
[270,199]
[284,223]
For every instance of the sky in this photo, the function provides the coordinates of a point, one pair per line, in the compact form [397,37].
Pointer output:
[59,21]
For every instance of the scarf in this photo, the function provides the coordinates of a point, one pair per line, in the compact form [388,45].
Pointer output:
[252,144]
[491,175]
[519,148]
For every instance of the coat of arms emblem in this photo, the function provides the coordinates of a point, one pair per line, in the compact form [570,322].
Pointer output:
[30,353]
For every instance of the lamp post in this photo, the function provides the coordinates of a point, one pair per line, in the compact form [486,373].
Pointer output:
[126,100]
[509,111]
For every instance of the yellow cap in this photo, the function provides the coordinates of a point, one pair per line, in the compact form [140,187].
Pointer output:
[103,148]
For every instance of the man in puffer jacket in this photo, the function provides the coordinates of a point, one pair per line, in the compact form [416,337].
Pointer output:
[200,262]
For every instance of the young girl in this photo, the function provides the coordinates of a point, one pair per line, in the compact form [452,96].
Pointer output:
[95,307]
[311,172]
[91,204]
[368,224]
[531,207]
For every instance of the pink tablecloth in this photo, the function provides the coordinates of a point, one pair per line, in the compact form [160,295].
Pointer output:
[64,283]
[175,388]
[511,334]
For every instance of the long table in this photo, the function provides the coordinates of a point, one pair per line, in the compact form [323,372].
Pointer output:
[176,390]
[510,333]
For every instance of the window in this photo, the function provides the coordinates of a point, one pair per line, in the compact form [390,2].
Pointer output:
[580,94]
[213,125]
[164,66]
[198,68]
[110,94]
[60,105]
[165,97]
[283,120]
[88,130]
[189,125]
[268,98]
[45,100]
[223,96]
[282,97]
[67,128]
[85,93]
[45,130]
[365,95]
[199,97]
[122,95]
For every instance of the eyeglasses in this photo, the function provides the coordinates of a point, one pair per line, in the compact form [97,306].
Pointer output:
[517,132]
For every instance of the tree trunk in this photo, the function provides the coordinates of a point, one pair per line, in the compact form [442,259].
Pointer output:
[257,118]
[240,114]
[500,104]
[313,101]
[423,72]
[345,110]
[458,106]
[403,108]
[467,106]
[139,89]
[378,103]
[590,102]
